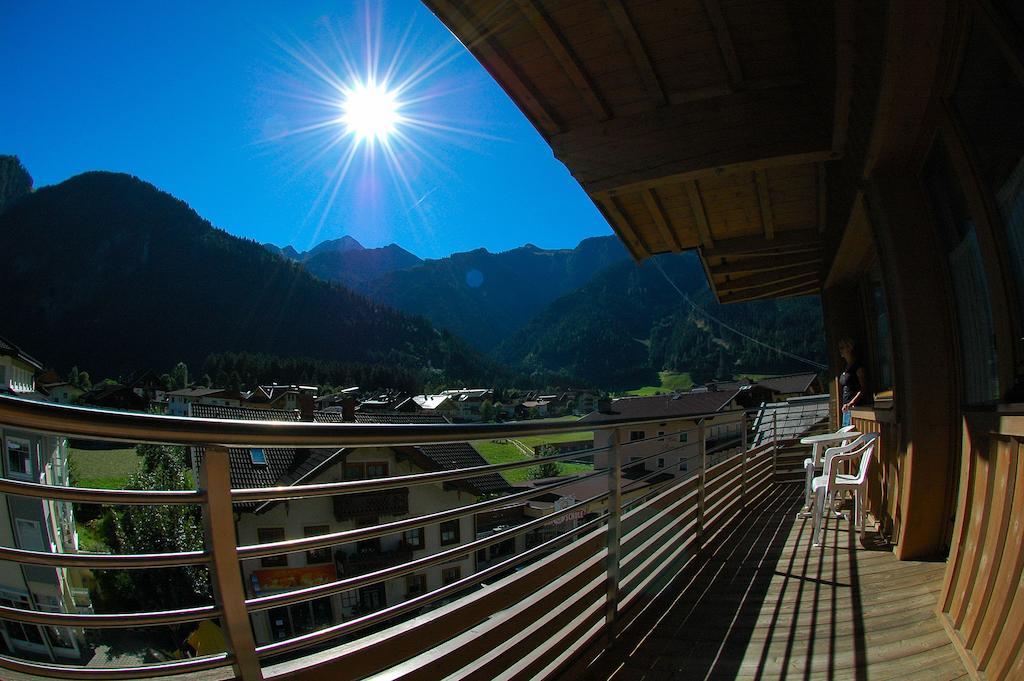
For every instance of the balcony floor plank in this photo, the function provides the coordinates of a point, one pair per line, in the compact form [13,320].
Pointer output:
[764,605]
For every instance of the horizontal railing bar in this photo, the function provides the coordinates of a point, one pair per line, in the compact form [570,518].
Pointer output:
[86,495]
[250,494]
[104,560]
[104,424]
[247,494]
[350,583]
[321,541]
[109,620]
[343,628]
[147,671]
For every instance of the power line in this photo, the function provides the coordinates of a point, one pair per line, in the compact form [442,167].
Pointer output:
[708,315]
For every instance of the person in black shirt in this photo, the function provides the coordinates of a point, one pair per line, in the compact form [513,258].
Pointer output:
[853,381]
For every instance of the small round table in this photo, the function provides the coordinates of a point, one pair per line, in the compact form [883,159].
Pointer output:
[819,443]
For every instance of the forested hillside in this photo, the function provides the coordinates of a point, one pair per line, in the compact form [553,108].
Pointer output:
[108,272]
[627,324]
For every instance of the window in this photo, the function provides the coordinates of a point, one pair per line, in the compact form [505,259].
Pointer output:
[661,434]
[415,538]
[989,101]
[684,437]
[450,532]
[683,466]
[881,336]
[451,574]
[635,435]
[265,535]
[30,535]
[317,555]
[358,470]
[661,462]
[967,274]
[19,457]
[350,599]
[258,456]
[415,585]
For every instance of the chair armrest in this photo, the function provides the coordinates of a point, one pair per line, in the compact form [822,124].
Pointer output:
[830,471]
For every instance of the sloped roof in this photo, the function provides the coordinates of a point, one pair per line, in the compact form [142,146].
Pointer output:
[789,383]
[678,405]
[288,466]
[430,401]
[12,350]
[201,392]
[791,419]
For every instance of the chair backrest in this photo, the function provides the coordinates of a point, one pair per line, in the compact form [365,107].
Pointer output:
[867,453]
[846,429]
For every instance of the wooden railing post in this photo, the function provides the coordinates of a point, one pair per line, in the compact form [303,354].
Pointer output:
[702,443]
[775,446]
[743,460]
[225,572]
[612,563]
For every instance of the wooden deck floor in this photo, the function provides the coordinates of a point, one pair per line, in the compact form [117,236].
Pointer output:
[766,605]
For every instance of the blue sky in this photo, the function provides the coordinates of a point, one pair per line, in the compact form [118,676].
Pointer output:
[204,101]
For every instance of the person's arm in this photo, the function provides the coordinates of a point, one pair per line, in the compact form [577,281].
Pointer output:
[862,380]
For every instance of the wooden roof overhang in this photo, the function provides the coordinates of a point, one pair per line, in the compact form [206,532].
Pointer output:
[691,124]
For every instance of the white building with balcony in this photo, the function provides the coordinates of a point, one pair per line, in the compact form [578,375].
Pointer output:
[275,521]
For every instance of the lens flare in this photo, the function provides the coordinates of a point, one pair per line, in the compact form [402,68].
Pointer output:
[370,112]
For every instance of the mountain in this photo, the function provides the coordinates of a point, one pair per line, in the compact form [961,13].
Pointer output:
[15,182]
[348,262]
[485,297]
[357,269]
[628,323]
[114,275]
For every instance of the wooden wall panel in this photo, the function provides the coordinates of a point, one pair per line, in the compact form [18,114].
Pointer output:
[982,604]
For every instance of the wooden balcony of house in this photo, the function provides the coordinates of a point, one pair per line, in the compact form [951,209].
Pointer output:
[390,502]
[763,603]
[361,562]
[712,577]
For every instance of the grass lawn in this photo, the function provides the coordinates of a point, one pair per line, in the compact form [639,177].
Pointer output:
[670,381]
[102,468]
[502,451]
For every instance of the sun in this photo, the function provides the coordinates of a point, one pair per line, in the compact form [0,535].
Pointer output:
[370,111]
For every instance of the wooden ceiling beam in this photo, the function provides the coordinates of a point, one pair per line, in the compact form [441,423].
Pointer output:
[558,46]
[609,207]
[637,50]
[724,40]
[844,36]
[700,214]
[746,130]
[806,286]
[765,201]
[765,263]
[765,278]
[784,242]
[657,212]
[497,63]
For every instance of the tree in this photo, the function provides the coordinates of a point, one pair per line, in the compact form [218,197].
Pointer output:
[548,469]
[15,181]
[84,382]
[154,529]
[487,411]
[179,376]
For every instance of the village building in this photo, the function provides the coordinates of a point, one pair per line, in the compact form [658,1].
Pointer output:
[274,396]
[36,525]
[674,435]
[179,401]
[274,521]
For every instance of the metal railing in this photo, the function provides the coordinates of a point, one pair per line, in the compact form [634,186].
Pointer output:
[682,511]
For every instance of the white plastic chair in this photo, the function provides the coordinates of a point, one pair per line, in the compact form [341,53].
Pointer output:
[810,464]
[826,486]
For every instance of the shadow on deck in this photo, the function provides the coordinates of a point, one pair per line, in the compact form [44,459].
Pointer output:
[764,604]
